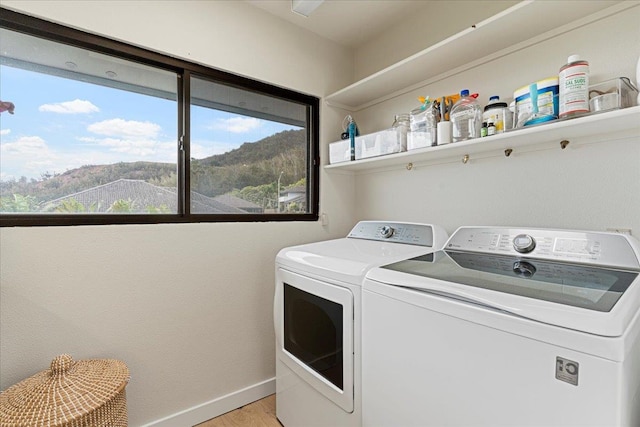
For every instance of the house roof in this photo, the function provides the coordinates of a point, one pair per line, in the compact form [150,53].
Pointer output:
[299,190]
[203,204]
[293,194]
[291,198]
[143,195]
[236,202]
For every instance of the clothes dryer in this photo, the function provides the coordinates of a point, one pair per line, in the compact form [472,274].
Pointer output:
[317,318]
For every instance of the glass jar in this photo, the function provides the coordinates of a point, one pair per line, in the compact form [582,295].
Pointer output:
[401,121]
[401,126]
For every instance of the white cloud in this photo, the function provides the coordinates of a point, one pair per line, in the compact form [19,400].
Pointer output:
[26,156]
[31,156]
[125,129]
[237,124]
[25,145]
[137,147]
[5,131]
[77,106]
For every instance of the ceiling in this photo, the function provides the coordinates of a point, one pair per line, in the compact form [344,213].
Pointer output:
[347,22]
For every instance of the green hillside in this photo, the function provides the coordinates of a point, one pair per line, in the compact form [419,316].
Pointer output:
[251,164]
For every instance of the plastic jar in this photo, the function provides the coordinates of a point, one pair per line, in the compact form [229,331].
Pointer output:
[466,118]
[546,108]
[423,122]
[498,113]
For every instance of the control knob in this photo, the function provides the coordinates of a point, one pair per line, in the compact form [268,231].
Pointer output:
[524,269]
[386,231]
[524,243]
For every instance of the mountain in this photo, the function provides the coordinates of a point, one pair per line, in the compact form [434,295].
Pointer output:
[253,152]
[251,164]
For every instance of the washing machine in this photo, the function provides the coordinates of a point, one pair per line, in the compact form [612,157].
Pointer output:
[505,327]
[317,318]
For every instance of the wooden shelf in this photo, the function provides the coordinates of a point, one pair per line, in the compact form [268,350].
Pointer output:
[601,127]
[525,24]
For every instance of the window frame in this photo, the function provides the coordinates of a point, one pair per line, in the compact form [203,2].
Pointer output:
[37,27]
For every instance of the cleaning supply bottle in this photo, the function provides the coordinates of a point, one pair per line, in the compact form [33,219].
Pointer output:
[353,131]
[574,87]
[498,113]
[466,118]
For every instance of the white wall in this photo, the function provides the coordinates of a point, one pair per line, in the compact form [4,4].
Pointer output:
[421,29]
[593,186]
[187,307]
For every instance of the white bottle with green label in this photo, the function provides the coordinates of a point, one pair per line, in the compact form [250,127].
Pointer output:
[574,87]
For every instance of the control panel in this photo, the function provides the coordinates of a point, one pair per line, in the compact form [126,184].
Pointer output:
[604,249]
[396,232]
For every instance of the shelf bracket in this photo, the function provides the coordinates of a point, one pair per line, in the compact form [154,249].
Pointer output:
[465,159]
[409,166]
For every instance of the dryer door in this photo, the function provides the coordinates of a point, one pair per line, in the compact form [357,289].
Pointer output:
[314,334]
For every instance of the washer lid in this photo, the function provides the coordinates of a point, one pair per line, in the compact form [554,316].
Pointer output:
[591,299]
[369,244]
[346,260]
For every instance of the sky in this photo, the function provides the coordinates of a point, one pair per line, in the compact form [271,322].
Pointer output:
[61,124]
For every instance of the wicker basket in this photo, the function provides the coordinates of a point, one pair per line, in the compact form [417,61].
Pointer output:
[85,393]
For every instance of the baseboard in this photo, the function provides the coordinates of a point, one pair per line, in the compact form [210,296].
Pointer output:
[213,408]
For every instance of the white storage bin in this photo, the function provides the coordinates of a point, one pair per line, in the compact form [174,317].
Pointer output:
[339,151]
[420,139]
[380,143]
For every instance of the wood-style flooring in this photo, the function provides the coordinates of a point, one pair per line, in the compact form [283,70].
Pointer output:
[261,413]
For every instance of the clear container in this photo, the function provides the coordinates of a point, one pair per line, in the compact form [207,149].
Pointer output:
[466,118]
[401,122]
[401,128]
[612,94]
[386,141]
[423,122]
[536,103]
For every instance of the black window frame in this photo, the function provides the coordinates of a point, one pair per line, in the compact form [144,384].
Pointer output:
[37,27]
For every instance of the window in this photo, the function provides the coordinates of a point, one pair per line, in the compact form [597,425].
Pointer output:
[93,131]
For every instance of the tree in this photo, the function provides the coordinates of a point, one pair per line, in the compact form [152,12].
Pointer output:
[262,195]
[122,206]
[73,206]
[162,209]
[170,180]
[18,203]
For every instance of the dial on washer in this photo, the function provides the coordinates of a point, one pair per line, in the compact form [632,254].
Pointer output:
[524,243]
[386,231]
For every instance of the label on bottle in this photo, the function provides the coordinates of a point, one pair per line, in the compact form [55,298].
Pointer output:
[467,123]
[495,115]
[574,89]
